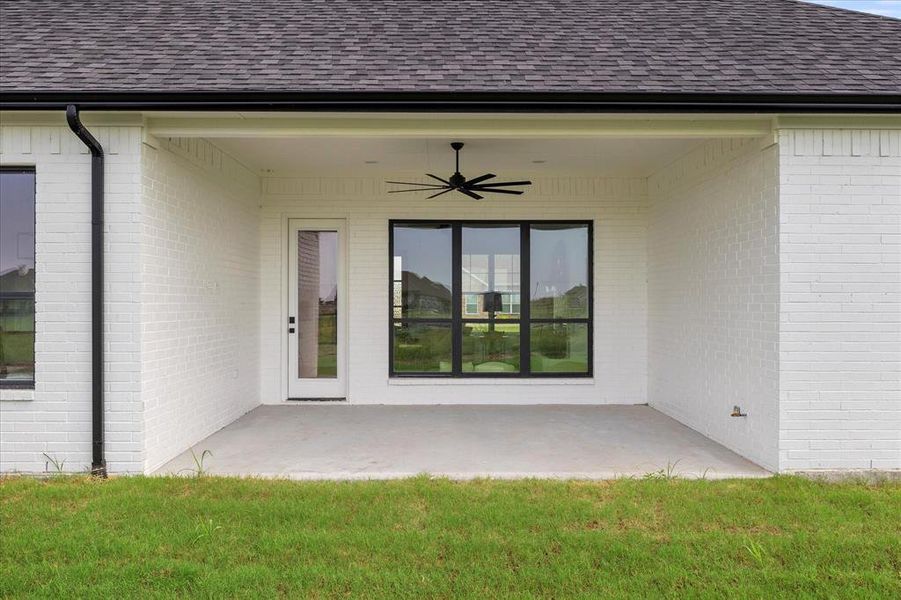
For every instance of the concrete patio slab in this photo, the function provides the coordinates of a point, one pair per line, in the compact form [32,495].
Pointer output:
[462,442]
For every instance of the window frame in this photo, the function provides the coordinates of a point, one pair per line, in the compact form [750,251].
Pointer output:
[27,384]
[458,318]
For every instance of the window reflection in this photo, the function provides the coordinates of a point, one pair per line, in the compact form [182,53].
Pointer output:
[491,348]
[491,274]
[17,275]
[484,334]
[422,348]
[559,348]
[317,297]
[559,271]
[421,273]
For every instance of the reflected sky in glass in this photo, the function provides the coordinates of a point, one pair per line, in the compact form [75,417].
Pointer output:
[559,265]
[424,251]
[491,259]
[16,221]
[422,263]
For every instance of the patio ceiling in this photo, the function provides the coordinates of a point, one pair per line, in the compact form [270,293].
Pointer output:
[367,144]
[622,157]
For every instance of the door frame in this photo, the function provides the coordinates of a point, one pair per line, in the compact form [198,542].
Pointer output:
[289,222]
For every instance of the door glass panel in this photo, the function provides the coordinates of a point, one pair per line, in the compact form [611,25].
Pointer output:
[422,348]
[491,347]
[317,304]
[558,271]
[559,348]
[490,263]
[421,272]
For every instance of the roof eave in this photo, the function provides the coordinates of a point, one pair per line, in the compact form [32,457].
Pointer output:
[464,101]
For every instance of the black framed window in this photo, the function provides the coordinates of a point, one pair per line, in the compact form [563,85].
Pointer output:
[17,194]
[422,301]
[490,299]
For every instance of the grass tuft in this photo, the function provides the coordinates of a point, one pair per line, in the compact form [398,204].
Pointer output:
[199,470]
[59,466]
[206,529]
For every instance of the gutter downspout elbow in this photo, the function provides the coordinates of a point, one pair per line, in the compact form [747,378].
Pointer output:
[98,461]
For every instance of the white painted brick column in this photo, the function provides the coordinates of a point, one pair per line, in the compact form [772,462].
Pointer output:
[840,299]
[713,278]
[200,245]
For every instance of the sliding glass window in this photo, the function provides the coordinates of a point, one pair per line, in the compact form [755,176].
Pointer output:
[498,299]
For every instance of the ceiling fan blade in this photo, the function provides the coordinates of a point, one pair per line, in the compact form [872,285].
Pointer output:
[505,183]
[420,183]
[472,195]
[490,191]
[444,181]
[428,189]
[478,179]
[439,193]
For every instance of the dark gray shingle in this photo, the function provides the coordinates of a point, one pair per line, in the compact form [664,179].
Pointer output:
[736,46]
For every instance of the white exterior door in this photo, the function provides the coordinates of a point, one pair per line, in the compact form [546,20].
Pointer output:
[317,308]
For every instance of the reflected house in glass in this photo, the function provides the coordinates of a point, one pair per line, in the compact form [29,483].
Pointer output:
[478,325]
[17,276]
[317,310]
[422,296]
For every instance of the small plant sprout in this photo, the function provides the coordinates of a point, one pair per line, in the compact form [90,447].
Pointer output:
[666,474]
[199,470]
[58,465]
[757,551]
[206,529]
[671,469]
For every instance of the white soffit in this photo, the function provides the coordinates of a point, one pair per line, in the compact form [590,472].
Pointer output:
[360,157]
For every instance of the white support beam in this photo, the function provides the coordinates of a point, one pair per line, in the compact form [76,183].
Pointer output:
[440,126]
[839,122]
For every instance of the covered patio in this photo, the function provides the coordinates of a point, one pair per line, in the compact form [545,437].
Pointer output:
[334,441]
[636,275]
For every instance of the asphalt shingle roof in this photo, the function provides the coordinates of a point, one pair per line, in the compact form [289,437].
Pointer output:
[615,46]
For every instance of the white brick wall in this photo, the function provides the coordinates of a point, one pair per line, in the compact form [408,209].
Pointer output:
[200,309]
[765,277]
[56,417]
[712,294]
[618,207]
[840,318]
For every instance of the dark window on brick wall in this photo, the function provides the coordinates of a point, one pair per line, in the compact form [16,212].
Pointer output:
[17,249]
[490,299]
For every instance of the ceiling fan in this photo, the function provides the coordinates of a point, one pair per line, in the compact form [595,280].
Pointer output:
[470,187]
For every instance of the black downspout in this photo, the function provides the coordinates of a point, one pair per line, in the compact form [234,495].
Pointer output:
[98,462]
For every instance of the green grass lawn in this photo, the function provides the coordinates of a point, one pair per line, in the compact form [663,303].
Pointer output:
[211,537]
